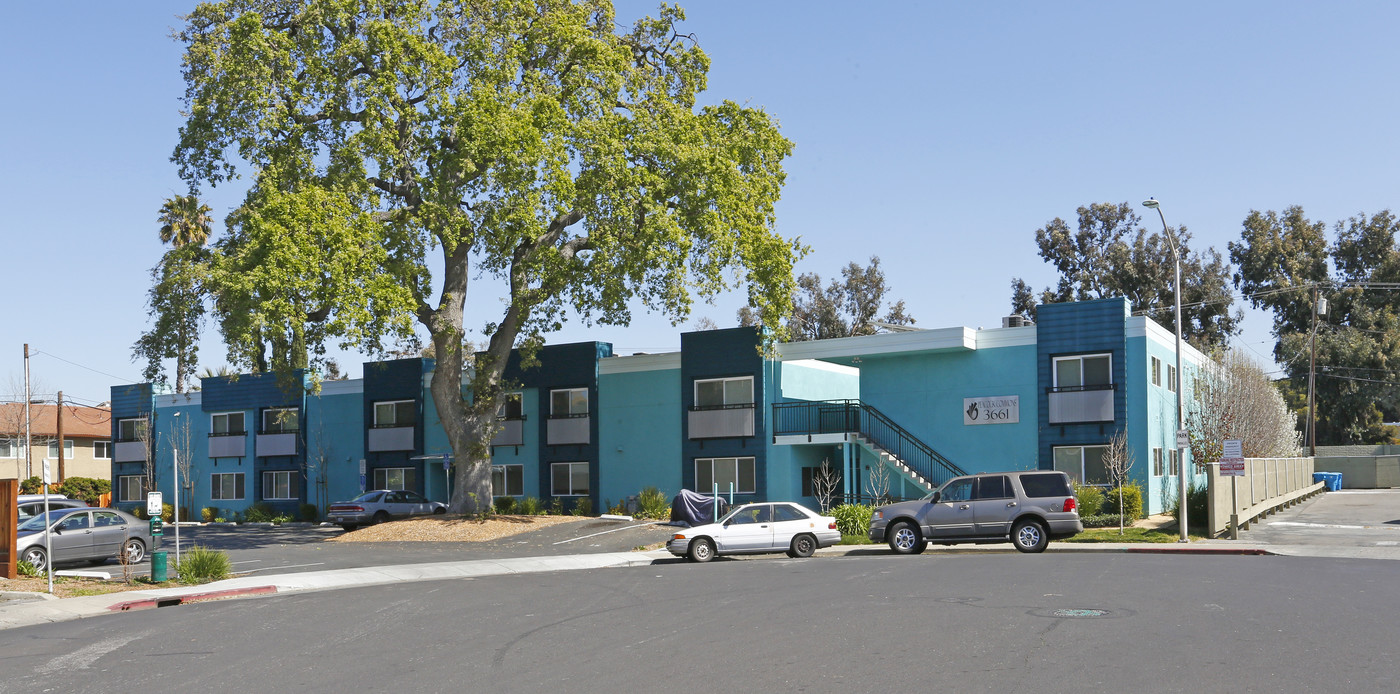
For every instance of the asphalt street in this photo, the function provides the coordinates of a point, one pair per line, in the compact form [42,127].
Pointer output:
[978,622]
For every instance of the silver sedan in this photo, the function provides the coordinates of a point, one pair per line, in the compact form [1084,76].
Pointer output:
[93,535]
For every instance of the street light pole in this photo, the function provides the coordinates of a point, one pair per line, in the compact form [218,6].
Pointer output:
[1152,204]
[175,468]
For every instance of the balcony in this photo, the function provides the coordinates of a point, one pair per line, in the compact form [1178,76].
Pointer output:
[234,445]
[568,430]
[1079,404]
[129,452]
[725,421]
[390,439]
[512,432]
[276,443]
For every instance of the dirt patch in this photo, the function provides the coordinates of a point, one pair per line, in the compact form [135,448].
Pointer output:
[449,529]
[75,587]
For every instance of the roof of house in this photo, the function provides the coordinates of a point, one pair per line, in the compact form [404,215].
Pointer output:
[78,422]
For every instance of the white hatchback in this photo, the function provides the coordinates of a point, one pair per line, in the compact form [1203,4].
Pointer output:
[760,528]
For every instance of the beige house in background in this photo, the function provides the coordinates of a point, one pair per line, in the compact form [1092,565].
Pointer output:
[87,441]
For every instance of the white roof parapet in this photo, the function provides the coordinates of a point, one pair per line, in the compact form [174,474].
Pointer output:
[640,362]
[939,340]
[1142,326]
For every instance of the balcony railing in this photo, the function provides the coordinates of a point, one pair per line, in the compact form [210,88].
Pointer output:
[1079,404]
[721,421]
[511,433]
[571,429]
[277,443]
[856,417]
[397,438]
[228,445]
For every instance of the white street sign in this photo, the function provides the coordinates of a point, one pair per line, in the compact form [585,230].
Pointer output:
[1183,439]
[155,505]
[1232,458]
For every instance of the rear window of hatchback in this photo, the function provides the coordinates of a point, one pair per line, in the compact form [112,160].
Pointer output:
[1048,484]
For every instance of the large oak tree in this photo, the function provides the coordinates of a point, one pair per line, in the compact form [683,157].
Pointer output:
[400,149]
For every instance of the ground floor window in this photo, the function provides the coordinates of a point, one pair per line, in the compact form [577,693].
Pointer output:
[226,486]
[507,480]
[1157,468]
[569,479]
[1083,464]
[1173,463]
[277,486]
[813,478]
[722,472]
[131,488]
[396,478]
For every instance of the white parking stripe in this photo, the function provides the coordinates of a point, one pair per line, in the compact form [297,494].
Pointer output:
[605,532]
[1321,525]
[84,657]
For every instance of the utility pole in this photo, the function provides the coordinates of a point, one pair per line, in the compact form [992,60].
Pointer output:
[1312,376]
[58,415]
[28,455]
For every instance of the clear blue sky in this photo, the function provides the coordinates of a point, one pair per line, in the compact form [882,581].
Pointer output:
[938,136]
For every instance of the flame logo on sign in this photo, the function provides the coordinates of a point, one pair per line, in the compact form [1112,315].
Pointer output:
[972,412]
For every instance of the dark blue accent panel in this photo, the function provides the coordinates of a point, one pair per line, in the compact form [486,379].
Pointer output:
[251,392]
[729,353]
[398,379]
[1083,327]
[129,402]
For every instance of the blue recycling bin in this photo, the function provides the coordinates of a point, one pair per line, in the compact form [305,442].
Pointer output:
[1333,480]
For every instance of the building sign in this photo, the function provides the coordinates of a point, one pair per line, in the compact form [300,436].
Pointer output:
[1005,409]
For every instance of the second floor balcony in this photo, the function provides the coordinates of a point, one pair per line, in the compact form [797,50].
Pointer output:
[230,445]
[721,421]
[1081,404]
[566,430]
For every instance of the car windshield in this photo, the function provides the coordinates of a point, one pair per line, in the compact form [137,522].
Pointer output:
[38,522]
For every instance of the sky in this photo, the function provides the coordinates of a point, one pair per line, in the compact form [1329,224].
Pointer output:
[937,136]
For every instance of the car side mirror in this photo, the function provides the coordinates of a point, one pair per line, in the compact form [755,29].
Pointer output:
[58,529]
[937,496]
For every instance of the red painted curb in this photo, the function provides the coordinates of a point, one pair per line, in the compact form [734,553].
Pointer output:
[1250,551]
[191,598]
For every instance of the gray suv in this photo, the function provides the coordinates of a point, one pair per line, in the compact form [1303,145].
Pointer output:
[1028,508]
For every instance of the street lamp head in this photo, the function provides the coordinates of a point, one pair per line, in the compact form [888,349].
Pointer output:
[1150,203]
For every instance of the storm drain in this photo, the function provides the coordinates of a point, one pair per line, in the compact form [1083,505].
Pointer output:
[1080,614]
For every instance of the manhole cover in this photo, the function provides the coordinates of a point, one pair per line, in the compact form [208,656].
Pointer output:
[1080,614]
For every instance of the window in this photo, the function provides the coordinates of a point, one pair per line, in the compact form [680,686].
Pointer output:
[724,472]
[131,429]
[1083,464]
[1171,378]
[280,420]
[226,486]
[1045,484]
[102,450]
[512,408]
[9,448]
[131,488]
[1156,371]
[507,480]
[1157,468]
[1173,468]
[569,479]
[956,490]
[395,413]
[395,478]
[724,392]
[67,449]
[1086,372]
[568,402]
[785,512]
[277,486]
[106,519]
[226,424]
[996,487]
[73,521]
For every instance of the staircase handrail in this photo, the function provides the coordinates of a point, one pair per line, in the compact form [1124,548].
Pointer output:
[854,416]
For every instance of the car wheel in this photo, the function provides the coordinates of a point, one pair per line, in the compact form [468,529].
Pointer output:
[904,539]
[439,511]
[36,558]
[802,547]
[1029,536]
[702,550]
[381,517]
[134,551]
[347,527]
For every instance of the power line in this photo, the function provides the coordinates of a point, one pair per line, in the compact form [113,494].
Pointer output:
[123,379]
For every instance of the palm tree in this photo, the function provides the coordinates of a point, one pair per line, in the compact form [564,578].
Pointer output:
[184,220]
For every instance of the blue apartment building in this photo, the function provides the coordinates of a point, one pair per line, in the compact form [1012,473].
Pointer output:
[895,413]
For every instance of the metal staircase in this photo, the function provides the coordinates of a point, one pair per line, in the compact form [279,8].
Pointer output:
[898,448]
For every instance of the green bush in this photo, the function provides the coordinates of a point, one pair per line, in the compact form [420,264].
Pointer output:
[260,513]
[309,513]
[853,519]
[167,513]
[583,507]
[86,488]
[556,506]
[33,485]
[653,504]
[1103,520]
[1132,501]
[505,504]
[27,570]
[208,514]
[1090,499]
[530,506]
[1197,500]
[202,565]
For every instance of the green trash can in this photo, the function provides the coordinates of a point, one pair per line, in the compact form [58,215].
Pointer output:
[158,567]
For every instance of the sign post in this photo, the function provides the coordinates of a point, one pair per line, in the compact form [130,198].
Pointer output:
[48,521]
[1232,466]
